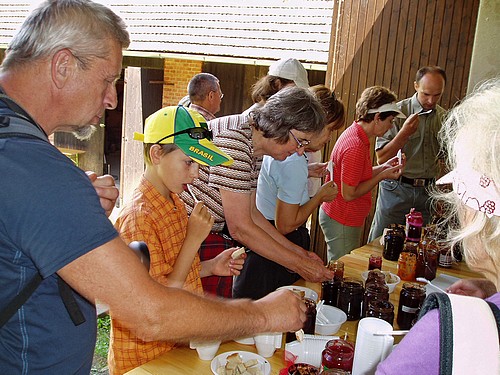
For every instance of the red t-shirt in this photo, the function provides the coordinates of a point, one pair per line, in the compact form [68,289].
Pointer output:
[351,155]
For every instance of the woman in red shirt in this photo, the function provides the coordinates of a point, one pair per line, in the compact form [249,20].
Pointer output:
[343,218]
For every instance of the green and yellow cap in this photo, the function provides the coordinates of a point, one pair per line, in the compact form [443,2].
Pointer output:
[188,130]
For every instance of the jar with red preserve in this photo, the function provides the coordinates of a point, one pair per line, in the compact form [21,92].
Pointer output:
[338,354]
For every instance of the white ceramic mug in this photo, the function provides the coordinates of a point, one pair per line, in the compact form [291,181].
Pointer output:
[206,349]
[371,349]
[267,343]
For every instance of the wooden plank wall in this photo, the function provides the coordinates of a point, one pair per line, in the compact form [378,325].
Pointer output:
[384,42]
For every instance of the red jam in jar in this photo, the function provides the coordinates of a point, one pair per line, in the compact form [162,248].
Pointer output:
[338,354]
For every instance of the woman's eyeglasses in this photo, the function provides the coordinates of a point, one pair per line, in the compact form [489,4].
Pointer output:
[195,133]
[300,142]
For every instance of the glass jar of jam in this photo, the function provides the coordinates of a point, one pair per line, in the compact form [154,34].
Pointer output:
[337,266]
[414,223]
[445,258]
[410,300]
[407,264]
[330,292]
[375,276]
[338,354]
[375,262]
[382,310]
[394,241]
[374,292]
[350,298]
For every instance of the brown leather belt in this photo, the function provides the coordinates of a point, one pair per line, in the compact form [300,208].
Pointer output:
[417,182]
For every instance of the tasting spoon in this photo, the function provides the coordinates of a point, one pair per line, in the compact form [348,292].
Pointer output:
[424,280]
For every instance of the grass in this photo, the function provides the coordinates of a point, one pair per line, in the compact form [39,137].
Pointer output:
[99,365]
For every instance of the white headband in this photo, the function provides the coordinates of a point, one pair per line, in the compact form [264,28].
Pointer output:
[475,190]
[389,107]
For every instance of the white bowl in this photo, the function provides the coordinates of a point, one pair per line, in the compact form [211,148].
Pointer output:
[335,318]
[391,286]
[309,293]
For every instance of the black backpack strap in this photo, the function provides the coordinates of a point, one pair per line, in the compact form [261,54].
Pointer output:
[15,121]
[19,299]
[442,302]
[70,303]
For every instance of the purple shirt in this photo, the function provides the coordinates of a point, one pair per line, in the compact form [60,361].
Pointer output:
[418,352]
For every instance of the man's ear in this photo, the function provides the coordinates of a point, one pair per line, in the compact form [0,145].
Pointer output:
[415,85]
[63,65]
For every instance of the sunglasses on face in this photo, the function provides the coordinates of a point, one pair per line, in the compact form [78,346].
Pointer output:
[195,133]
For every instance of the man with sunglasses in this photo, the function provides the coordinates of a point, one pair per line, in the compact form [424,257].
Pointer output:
[285,124]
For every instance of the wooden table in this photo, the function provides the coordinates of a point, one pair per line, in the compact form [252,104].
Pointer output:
[185,361]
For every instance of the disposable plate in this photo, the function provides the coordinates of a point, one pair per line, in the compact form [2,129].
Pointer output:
[220,360]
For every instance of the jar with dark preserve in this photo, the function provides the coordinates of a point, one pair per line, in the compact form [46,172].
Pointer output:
[431,263]
[375,276]
[350,298]
[394,241]
[445,259]
[303,369]
[410,247]
[330,291]
[374,292]
[382,310]
[338,354]
[309,324]
[410,300]
[414,223]
[337,266]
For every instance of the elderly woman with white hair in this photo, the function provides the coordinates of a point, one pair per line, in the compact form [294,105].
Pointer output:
[460,337]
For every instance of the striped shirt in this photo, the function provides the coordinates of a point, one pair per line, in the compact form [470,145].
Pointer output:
[151,218]
[233,135]
[351,155]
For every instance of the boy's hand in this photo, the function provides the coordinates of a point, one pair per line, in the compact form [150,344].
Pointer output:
[200,222]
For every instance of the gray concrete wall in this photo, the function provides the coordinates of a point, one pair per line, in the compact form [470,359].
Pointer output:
[485,61]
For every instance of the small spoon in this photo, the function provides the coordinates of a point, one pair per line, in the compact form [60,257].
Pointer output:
[319,314]
[424,280]
[192,194]
[391,333]
[422,112]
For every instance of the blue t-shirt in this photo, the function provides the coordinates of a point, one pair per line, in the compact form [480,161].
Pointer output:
[49,216]
[284,180]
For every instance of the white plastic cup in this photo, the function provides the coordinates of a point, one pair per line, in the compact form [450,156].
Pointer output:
[267,343]
[206,350]
[371,349]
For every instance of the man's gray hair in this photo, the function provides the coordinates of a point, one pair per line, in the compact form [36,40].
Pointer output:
[290,108]
[82,26]
[200,86]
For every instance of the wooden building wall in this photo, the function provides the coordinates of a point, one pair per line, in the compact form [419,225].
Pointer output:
[384,42]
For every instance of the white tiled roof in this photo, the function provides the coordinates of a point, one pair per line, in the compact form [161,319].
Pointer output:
[250,29]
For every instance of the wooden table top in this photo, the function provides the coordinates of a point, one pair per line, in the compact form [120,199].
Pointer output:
[183,360]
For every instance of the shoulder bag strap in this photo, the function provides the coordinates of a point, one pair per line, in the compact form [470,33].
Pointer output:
[19,299]
[442,302]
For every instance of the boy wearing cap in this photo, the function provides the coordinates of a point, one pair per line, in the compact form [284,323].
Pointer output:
[343,218]
[176,140]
